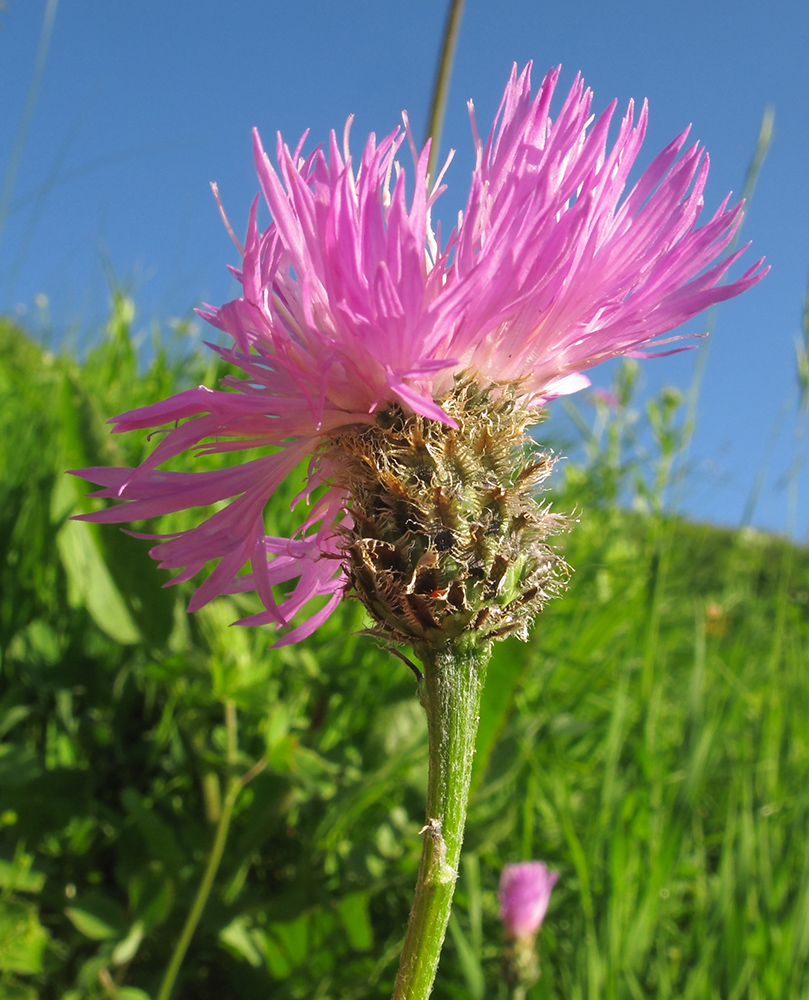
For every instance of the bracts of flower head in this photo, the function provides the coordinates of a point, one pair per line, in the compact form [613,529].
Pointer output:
[525,891]
[358,330]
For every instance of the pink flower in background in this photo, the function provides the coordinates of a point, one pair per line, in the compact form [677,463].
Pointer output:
[606,397]
[525,891]
[351,304]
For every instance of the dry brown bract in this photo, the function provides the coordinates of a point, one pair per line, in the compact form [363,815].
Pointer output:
[448,533]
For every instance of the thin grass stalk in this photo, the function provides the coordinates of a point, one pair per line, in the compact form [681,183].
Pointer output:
[442,77]
[21,135]
[762,146]
[235,785]
[663,539]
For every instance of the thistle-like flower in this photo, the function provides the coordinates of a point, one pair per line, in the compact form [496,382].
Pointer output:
[406,371]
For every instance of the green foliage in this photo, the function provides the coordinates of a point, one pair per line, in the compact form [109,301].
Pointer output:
[649,742]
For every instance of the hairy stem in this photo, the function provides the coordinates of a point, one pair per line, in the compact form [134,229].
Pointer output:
[450,693]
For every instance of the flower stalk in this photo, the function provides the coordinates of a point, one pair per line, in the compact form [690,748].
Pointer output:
[448,551]
[450,692]
[204,890]
[234,786]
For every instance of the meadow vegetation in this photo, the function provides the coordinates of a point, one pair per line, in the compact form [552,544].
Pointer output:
[650,742]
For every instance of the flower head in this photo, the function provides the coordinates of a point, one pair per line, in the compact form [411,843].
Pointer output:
[525,891]
[352,309]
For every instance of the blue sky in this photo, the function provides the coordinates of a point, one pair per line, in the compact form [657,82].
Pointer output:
[141,105]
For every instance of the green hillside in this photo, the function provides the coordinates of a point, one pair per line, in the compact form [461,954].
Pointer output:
[650,742]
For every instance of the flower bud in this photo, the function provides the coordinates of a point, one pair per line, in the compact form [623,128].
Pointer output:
[447,534]
[525,890]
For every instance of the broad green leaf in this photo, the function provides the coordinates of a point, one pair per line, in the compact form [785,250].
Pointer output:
[278,964]
[12,716]
[90,584]
[158,837]
[151,895]
[353,910]
[238,937]
[127,948]
[16,876]
[86,442]
[293,939]
[97,917]
[22,937]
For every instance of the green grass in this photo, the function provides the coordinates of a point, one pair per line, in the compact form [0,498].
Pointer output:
[650,743]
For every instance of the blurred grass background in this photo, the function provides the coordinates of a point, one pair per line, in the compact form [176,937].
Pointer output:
[650,742]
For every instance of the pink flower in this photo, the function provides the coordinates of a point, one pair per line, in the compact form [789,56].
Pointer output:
[605,397]
[525,891]
[350,304]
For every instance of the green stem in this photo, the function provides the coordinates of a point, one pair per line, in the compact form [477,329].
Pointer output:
[450,693]
[442,75]
[235,785]
[203,892]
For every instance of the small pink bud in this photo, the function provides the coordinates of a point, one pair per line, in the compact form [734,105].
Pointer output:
[606,397]
[525,891]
